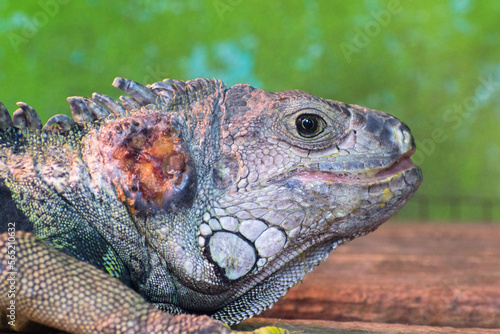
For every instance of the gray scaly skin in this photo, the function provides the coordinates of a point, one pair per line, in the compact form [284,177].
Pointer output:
[201,199]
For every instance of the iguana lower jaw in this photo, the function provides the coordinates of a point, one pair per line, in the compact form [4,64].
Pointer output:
[260,290]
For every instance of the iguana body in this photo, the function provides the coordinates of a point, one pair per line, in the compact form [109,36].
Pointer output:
[202,199]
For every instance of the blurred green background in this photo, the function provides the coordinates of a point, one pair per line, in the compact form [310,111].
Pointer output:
[435,65]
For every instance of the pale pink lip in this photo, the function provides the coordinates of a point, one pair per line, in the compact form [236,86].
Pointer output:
[401,165]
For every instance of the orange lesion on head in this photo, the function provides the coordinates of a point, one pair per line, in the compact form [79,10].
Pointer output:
[154,168]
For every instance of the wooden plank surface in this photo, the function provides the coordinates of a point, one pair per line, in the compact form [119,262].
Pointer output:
[431,274]
[354,327]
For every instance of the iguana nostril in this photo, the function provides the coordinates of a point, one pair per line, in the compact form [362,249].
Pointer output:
[396,132]
[404,138]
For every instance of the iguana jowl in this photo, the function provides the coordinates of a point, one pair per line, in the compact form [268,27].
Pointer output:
[201,198]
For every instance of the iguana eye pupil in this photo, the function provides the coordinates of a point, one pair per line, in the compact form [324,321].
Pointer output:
[309,125]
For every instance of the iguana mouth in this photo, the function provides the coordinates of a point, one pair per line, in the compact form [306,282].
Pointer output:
[401,165]
[369,175]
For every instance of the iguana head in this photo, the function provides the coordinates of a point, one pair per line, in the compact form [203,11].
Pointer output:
[297,176]
[238,193]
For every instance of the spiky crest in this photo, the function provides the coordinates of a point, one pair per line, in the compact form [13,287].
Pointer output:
[166,94]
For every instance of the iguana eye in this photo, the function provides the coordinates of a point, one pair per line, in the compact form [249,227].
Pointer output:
[309,125]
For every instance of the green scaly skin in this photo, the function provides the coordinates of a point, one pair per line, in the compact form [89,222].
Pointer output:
[186,197]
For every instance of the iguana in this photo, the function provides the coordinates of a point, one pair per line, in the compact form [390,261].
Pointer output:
[186,197]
